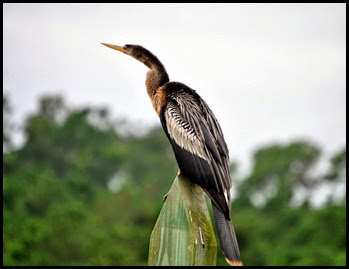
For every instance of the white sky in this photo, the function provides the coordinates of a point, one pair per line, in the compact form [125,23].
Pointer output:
[270,72]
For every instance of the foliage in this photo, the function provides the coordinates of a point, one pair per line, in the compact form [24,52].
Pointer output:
[7,125]
[183,233]
[59,208]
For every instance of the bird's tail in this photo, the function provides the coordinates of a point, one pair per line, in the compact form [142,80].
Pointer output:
[227,238]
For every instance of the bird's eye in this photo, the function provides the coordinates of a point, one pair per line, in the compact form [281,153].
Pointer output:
[126,47]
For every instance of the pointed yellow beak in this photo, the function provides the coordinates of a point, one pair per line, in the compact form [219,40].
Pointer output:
[115,47]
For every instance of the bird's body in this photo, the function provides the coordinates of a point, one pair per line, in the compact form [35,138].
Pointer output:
[197,141]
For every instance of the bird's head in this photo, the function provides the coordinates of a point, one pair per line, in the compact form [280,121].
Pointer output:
[136,51]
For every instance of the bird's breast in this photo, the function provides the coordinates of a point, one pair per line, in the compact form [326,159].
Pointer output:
[159,99]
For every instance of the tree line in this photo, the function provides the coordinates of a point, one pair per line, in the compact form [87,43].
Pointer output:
[81,191]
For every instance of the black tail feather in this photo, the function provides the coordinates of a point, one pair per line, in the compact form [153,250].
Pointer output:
[227,237]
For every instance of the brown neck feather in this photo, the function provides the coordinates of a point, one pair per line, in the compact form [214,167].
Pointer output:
[156,76]
[154,80]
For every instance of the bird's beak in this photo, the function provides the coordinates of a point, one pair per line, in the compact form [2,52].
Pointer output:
[115,47]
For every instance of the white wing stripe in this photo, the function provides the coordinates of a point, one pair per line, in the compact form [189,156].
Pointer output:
[182,133]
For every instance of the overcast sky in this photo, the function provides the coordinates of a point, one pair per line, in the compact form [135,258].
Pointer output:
[269,72]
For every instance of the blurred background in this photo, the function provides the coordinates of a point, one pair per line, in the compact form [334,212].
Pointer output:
[86,162]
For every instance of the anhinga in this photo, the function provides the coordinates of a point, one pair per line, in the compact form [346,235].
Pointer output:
[197,141]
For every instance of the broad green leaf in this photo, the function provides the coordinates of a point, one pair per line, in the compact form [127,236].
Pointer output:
[183,233]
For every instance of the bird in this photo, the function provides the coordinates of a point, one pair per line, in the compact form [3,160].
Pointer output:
[197,141]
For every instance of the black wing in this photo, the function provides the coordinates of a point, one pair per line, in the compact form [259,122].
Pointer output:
[198,144]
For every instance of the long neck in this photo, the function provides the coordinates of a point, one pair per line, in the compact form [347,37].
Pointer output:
[156,75]
[155,80]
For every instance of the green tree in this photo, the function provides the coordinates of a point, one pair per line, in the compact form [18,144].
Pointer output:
[59,208]
[271,230]
[277,172]
[7,124]
[337,175]
[56,189]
